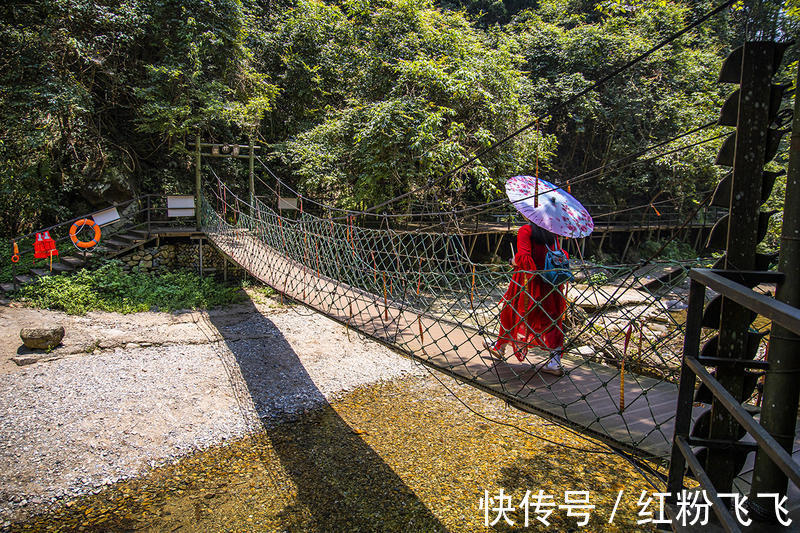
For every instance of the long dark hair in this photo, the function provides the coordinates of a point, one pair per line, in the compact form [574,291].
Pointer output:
[540,235]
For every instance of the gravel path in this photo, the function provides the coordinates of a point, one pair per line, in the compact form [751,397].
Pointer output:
[163,386]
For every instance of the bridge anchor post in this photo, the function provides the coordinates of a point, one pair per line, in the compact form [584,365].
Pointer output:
[780,399]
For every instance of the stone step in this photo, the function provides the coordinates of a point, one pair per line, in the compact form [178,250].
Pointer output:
[112,244]
[7,287]
[129,237]
[74,262]
[23,279]
[40,272]
[62,267]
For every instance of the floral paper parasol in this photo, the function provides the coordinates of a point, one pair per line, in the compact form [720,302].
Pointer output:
[556,210]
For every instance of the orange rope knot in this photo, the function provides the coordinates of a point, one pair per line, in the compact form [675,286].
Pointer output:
[419,276]
[316,255]
[656,210]
[472,290]
[622,368]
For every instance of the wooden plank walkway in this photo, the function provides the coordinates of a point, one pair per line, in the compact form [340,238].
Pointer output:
[586,397]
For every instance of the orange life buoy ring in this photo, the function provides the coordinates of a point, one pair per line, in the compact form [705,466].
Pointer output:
[73,233]
[15,257]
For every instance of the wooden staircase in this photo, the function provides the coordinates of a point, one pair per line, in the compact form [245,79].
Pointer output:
[114,246]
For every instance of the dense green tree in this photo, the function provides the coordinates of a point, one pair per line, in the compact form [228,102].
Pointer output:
[388,95]
[669,92]
[98,97]
[358,100]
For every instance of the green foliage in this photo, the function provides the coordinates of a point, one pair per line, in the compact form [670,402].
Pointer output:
[377,105]
[260,294]
[599,278]
[566,48]
[109,288]
[359,100]
[371,107]
[673,251]
[98,99]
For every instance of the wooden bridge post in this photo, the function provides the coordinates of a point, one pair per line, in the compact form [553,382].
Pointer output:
[197,183]
[602,240]
[755,75]
[627,245]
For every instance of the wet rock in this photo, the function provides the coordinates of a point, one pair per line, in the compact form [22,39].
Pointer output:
[584,351]
[22,360]
[42,338]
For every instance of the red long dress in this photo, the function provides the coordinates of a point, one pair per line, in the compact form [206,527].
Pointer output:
[533,309]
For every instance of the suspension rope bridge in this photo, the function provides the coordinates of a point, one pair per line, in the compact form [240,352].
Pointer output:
[420,293]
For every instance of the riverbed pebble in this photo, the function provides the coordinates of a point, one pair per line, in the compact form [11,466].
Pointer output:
[73,425]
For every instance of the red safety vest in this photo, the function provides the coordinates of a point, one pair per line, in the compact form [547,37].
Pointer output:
[44,246]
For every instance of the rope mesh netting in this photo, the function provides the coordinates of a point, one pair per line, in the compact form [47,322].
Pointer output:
[420,293]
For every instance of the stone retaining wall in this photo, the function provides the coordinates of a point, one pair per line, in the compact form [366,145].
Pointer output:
[173,256]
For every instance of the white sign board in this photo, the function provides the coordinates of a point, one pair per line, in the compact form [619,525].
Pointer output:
[180,206]
[106,216]
[287,203]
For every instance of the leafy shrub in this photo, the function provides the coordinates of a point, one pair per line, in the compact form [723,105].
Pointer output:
[674,250]
[109,288]
[598,278]
[5,261]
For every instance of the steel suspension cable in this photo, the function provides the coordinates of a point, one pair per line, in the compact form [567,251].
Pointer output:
[478,209]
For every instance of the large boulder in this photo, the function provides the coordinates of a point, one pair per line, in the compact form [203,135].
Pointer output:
[43,338]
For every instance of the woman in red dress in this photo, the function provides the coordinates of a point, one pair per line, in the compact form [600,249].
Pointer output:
[533,309]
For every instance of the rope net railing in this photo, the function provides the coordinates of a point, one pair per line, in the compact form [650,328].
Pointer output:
[420,293]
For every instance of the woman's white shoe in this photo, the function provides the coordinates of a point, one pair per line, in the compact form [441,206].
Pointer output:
[553,366]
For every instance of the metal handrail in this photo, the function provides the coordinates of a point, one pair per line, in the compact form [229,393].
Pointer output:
[779,312]
[145,210]
[727,283]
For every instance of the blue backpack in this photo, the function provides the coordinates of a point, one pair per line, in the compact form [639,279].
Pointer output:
[556,267]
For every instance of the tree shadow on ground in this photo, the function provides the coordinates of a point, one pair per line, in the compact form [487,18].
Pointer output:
[342,483]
